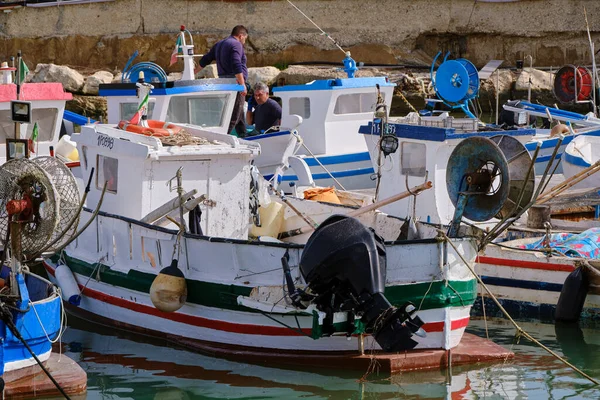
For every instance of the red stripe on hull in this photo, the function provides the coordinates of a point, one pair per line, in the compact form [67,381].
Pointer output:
[246,329]
[505,262]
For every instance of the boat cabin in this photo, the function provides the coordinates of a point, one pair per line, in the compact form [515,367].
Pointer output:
[140,172]
[332,110]
[47,107]
[424,148]
[206,103]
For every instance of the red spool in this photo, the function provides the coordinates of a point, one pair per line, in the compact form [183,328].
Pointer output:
[573,83]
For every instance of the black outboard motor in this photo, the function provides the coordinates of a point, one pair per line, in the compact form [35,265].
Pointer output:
[344,265]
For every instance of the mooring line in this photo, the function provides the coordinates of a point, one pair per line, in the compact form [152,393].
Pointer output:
[519,329]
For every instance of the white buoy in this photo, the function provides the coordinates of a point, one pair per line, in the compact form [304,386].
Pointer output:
[169,290]
[68,285]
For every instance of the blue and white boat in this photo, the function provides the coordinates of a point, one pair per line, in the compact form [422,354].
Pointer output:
[331,112]
[580,154]
[587,125]
[37,319]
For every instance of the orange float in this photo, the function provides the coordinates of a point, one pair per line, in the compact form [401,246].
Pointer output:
[154,128]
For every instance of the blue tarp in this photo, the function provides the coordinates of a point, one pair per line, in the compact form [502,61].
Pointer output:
[585,244]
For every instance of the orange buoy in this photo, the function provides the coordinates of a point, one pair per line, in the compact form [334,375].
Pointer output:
[154,128]
[559,129]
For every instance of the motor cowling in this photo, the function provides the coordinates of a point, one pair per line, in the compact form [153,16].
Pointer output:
[344,265]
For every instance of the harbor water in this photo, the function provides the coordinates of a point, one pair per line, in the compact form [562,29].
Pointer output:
[126,366]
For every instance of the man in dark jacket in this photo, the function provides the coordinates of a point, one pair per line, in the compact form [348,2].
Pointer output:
[231,63]
[263,111]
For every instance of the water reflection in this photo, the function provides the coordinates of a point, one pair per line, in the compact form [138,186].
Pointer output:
[123,366]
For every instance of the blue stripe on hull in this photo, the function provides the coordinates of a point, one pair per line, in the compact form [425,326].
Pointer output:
[522,284]
[575,160]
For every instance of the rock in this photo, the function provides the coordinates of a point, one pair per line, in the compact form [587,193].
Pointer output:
[540,80]
[210,71]
[299,75]
[92,83]
[174,76]
[71,80]
[118,76]
[90,106]
[267,75]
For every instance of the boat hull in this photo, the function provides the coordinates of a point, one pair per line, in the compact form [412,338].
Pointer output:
[528,284]
[426,272]
[40,324]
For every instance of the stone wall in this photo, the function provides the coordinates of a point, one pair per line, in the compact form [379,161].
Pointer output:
[104,35]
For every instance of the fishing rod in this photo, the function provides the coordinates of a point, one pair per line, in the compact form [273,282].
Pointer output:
[318,27]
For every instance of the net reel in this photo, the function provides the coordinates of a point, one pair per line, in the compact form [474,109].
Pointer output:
[488,178]
[573,84]
[40,199]
[521,176]
[455,82]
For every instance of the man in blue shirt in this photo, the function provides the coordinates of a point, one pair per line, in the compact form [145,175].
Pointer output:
[263,112]
[231,63]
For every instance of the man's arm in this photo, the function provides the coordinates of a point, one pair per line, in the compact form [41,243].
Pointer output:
[236,59]
[240,79]
[206,59]
[249,117]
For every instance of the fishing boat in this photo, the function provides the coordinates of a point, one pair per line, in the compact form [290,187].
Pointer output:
[527,282]
[331,110]
[227,297]
[47,101]
[579,156]
[39,200]
[544,284]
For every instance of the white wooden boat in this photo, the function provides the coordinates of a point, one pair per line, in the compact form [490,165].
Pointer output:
[581,153]
[528,283]
[235,296]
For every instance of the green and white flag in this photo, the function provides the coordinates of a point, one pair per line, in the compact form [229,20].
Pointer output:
[33,139]
[23,71]
[137,117]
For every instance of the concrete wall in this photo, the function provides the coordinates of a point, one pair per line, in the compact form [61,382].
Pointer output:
[104,35]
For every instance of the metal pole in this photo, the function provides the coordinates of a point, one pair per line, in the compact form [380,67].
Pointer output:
[497,93]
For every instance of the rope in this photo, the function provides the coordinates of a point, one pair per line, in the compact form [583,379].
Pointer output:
[317,26]
[405,100]
[182,138]
[520,330]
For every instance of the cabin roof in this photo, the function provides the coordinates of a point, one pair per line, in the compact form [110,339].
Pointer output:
[172,87]
[337,84]
[34,91]
[436,134]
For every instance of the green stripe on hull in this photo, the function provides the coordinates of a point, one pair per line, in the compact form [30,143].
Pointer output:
[440,294]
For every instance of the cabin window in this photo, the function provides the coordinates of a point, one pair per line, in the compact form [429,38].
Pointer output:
[45,117]
[355,103]
[108,171]
[206,111]
[413,159]
[300,106]
[129,109]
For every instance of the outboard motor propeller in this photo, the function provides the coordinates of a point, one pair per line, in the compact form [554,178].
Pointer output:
[344,265]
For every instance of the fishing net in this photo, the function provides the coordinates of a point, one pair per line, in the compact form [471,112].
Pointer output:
[183,138]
